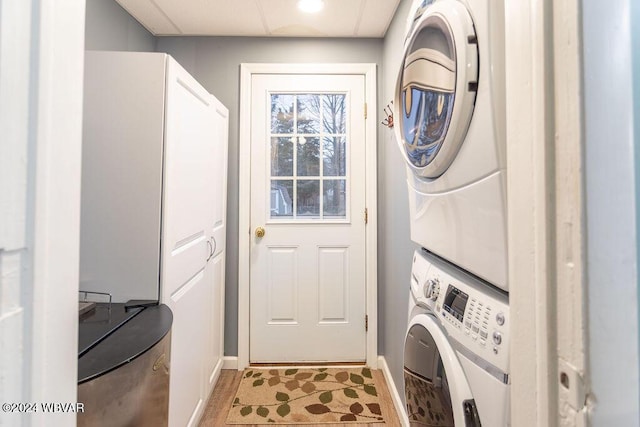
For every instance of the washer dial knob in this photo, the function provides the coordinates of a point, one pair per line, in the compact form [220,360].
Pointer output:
[435,289]
[497,338]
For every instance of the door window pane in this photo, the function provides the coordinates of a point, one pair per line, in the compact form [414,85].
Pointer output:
[281,198]
[308,161]
[309,141]
[308,114]
[281,156]
[334,113]
[334,198]
[308,197]
[334,155]
[282,113]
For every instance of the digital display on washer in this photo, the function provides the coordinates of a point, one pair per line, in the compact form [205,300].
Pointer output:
[455,301]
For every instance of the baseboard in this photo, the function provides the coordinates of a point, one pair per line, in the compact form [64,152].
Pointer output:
[230,362]
[395,395]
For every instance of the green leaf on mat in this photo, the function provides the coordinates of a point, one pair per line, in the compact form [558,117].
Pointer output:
[248,374]
[245,411]
[369,389]
[366,372]
[320,377]
[262,411]
[283,410]
[282,397]
[290,371]
[258,383]
[356,379]
[259,374]
[322,369]
[349,392]
[326,397]
[236,401]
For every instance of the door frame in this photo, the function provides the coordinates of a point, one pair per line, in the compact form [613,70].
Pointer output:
[247,70]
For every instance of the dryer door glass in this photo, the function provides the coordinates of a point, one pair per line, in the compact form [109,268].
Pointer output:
[426,388]
[428,91]
[436,86]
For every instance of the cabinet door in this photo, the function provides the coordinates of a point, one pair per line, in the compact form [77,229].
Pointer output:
[218,177]
[214,276]
[188,347]
[189,133]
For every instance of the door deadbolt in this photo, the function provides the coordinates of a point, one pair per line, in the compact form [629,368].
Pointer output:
[260,232]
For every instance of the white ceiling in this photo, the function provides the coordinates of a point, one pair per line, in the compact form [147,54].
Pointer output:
[262,18]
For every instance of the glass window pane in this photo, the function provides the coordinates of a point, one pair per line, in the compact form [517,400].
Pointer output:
[282,156]
[334,113]
[335,198]
[309,114]
[308,162]
[281,198]
[308,197]
[282,113]
[334,156]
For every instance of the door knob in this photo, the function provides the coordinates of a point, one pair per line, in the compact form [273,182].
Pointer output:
[259,232]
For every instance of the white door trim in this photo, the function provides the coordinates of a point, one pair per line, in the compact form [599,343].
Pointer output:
[371,235]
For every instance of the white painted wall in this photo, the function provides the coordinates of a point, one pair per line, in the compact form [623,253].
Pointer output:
[612,243]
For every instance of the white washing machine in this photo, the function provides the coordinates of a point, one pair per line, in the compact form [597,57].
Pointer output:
[456,355]
[449,114]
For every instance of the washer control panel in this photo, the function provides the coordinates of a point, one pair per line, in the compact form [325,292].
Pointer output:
[474,313]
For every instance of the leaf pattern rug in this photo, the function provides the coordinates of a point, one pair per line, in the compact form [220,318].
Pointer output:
[306,396]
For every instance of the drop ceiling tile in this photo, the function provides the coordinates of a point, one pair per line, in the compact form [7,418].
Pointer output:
[202,17]
[376,17]
[150,16]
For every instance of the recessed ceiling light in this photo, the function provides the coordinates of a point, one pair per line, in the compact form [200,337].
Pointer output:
[310,6]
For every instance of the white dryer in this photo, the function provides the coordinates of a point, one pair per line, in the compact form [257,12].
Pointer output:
[456,355]
[449,114]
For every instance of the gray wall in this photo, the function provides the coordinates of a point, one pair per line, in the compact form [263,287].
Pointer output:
[109,27]
[612,245]
[395,250]
[215,63]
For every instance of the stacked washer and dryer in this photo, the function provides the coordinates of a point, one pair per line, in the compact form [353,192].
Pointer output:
[450,126]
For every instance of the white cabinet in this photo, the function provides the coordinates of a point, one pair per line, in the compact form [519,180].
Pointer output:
[154,206]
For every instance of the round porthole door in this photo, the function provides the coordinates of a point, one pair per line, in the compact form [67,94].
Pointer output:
[435,386]
[436,87]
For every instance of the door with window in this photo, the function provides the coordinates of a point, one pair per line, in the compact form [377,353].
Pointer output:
[307,274]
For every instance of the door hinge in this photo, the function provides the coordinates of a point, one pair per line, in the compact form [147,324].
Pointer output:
[365,111]
[366,215]
[366,323]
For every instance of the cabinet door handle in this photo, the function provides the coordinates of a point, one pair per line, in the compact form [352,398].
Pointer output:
[215,245]
[210,250]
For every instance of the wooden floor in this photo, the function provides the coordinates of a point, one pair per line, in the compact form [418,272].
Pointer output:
[215,413]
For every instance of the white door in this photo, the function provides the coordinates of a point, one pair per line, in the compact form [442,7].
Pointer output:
[307,274]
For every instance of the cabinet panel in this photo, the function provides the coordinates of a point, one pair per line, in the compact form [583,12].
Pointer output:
[214,275]
[186,394]
[190,132]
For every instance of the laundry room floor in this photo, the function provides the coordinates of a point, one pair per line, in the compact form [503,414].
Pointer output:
[215,413]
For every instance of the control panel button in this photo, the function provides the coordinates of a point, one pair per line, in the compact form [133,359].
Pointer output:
[497,338]
[500,319]
[483,334]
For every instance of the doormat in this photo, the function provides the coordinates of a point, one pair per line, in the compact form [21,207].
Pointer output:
[306,396]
